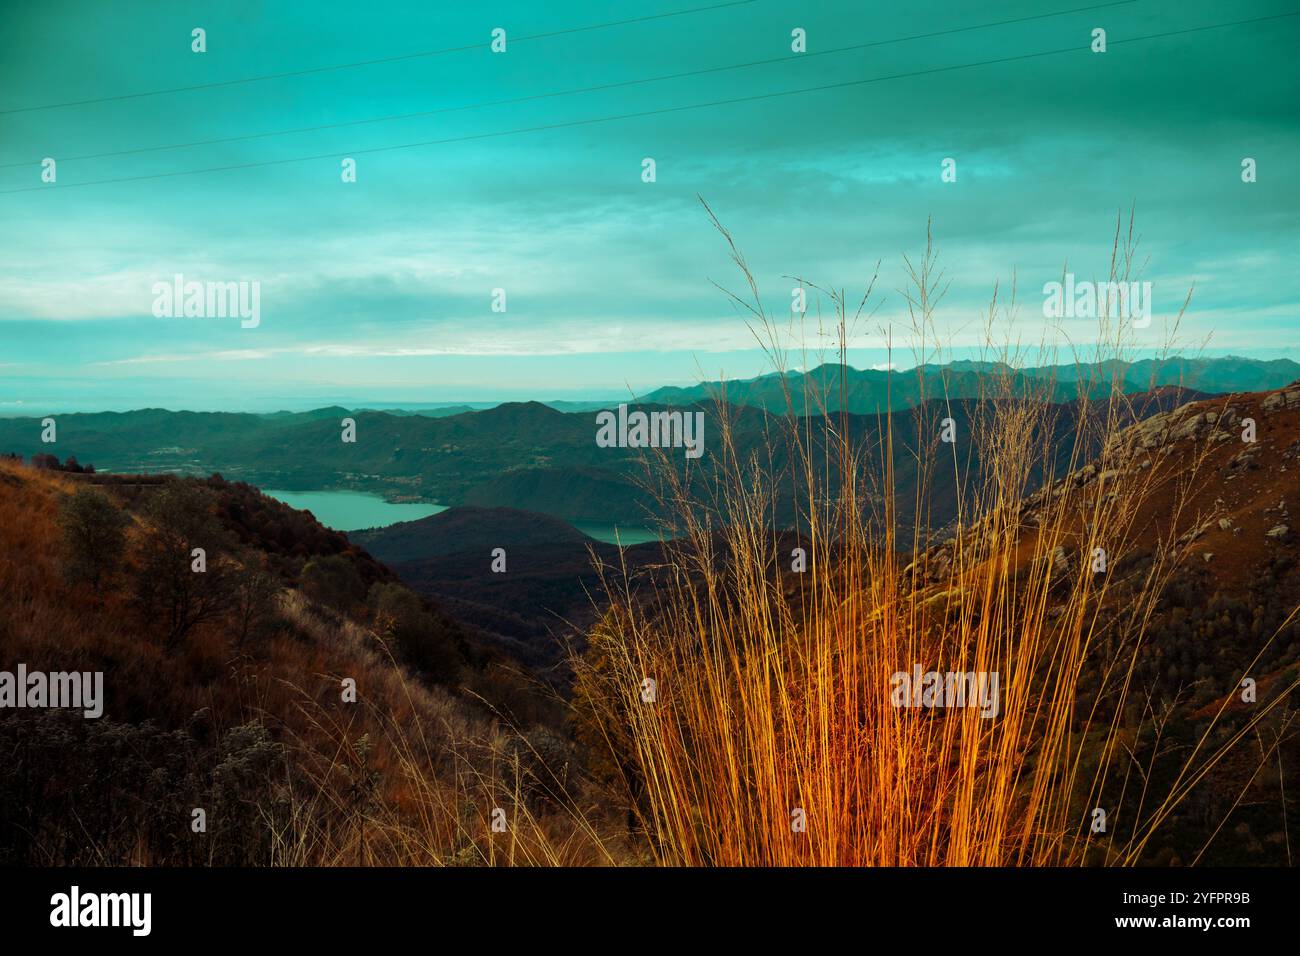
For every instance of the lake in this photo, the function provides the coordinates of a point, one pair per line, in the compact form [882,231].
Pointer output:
[353,510]
[611,534]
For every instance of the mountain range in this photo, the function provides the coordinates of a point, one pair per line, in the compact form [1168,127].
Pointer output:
[530,456]
[833,387]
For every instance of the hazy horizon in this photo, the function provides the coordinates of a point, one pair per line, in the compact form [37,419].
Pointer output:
[268,403]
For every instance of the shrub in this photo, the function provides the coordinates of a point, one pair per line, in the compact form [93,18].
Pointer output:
[94,537]
[419,639]
[169,592]
[334,582]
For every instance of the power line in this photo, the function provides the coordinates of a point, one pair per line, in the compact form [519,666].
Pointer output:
[641,114]
[385,59]
[586,89]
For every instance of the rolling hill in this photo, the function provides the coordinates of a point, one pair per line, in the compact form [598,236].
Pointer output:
[540,606]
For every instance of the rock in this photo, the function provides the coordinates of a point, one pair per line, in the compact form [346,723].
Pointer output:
[1189,427]
[1208,556]
[1152,432]
[1225,524]
[952,594]
[1278,531]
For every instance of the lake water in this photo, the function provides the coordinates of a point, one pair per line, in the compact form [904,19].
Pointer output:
[610,534]
[353,510]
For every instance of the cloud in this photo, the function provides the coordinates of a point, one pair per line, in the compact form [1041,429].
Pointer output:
[467,340]
[227,355]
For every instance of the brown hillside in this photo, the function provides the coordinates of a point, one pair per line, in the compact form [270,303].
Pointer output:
[256,732]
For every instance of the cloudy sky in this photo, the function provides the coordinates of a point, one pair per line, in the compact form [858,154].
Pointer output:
[522,171]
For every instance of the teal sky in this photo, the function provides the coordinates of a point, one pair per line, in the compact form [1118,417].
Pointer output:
[380,291]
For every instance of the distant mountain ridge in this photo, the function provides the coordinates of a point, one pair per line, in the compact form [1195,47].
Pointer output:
[871,391]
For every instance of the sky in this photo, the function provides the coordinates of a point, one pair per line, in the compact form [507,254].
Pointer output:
[824,165]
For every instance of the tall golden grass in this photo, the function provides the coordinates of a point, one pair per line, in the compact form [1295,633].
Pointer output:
[772,738]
